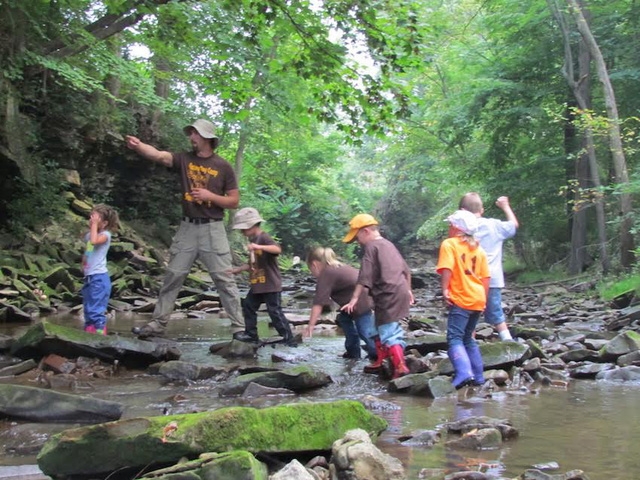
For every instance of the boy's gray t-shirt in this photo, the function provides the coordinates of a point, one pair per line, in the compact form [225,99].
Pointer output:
[94,260]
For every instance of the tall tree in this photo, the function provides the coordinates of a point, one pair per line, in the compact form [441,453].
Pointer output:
[587,173]
[627,255]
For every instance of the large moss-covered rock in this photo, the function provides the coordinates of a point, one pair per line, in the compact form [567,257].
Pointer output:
[137,443]
[46,338]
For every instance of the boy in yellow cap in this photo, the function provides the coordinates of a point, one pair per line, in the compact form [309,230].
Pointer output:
[386,276]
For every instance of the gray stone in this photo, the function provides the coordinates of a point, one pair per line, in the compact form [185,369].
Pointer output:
[589,370]
[632,358]
[623,374]
[482,439]
[356,457]
[257,390]
[621,344]
[423,385]
[294,470]
[41,405]
[297,379]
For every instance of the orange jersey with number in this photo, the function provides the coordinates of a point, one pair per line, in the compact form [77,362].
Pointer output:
[469,266]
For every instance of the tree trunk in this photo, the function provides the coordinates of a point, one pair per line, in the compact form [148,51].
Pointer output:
[627,255]
[586,165]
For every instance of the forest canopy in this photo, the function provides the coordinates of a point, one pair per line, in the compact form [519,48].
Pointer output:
[329,108]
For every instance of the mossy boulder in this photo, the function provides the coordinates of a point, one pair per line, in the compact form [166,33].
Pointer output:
[138,443]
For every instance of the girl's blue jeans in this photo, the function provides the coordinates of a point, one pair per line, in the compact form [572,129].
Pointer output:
[95,299]
[460,326]
[356,328]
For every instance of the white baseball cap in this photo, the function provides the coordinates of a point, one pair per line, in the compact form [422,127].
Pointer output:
[464,221]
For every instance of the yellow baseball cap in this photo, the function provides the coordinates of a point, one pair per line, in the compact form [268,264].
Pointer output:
[359,221]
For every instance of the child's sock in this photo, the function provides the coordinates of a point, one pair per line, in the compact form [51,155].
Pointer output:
[505,335]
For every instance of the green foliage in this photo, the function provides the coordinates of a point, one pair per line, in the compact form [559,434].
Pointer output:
[611,289]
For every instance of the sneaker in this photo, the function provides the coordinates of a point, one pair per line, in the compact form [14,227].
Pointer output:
[101,331]
[246,337]
[90,329]
[151,329]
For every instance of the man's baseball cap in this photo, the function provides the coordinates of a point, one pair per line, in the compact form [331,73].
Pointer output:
[203,127]
[246,218]
[464,221]
[359,221]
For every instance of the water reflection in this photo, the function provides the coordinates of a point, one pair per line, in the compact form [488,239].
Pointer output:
[590,426]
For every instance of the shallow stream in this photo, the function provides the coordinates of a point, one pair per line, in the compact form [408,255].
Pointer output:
[590,426]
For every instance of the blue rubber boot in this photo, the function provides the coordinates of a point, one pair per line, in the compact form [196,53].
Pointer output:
[475,357]
[463,376]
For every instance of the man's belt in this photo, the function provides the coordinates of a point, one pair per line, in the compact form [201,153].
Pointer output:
[200,220]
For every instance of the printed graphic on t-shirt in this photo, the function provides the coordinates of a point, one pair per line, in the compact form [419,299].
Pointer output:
[258,275]
[198,176]
[88,251]
[467,270]
[472,264]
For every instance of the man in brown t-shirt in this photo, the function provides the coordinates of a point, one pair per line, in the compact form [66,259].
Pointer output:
[385,274]
[209,186]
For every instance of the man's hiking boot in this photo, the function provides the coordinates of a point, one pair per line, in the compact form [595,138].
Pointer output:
[151,329]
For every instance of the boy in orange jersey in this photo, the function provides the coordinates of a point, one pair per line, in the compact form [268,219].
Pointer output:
[464,271]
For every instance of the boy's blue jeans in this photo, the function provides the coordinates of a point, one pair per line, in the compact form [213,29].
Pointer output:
[95,299]
[391,334]
[493,313]
[460,326]
[356,328]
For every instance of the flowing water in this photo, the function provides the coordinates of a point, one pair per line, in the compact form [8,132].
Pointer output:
[590,426]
